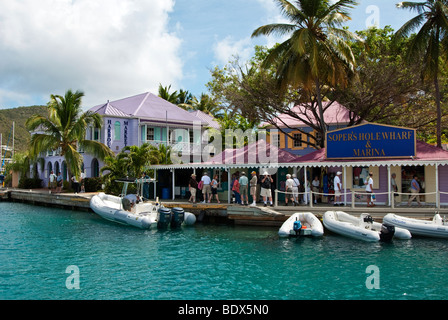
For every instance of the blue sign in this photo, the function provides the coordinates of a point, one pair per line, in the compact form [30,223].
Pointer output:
[371,141]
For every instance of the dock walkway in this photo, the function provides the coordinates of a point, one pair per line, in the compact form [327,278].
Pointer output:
[238,214]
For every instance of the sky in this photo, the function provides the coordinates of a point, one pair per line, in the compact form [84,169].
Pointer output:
[113,49]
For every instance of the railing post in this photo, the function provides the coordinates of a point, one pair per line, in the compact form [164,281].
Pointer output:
[392,202]
[353,199]
[311,199]
[276,198]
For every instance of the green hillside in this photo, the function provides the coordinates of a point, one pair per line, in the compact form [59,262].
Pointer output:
[19,116]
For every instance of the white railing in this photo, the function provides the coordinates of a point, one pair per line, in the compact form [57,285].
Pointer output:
[390,196]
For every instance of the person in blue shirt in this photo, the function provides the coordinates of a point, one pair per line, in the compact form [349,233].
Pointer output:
[415,190]
[2,178]
[59,182]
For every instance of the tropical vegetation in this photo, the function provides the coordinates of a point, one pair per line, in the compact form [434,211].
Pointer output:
[63,129]
[429,44]
[379,75]
[317,52]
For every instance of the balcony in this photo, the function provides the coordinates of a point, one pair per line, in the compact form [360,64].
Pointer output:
[184,147]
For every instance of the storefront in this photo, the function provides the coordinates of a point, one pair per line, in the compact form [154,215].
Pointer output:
[390,153]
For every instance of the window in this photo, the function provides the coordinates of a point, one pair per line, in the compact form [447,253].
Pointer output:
[96,134]
[117,130]
[150,134]
[297,140]
[276,140]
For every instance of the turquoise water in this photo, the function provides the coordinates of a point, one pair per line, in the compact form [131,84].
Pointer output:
[216,262]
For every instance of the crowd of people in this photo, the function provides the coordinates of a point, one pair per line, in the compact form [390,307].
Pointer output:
[56,183]
[254,186]
[259,188]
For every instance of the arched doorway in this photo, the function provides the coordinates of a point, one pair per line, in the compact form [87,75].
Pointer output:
[56,168]
[95,168]
[64,171]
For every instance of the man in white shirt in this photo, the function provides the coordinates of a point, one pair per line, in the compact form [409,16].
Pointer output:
[289,184]
[337,189]
[53,178]
[295,189]
[369,190]
[206,189]
[244,181]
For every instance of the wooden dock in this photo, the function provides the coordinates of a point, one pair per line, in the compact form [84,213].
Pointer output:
[233,213]
[44,198]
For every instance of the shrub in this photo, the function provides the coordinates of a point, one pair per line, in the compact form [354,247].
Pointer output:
[30,183]
[92,184]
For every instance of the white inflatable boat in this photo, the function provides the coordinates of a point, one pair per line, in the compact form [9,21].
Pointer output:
[436,227]
[362,228]
[141,215]
[301,224]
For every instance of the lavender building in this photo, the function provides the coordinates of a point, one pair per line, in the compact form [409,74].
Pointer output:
[144,118]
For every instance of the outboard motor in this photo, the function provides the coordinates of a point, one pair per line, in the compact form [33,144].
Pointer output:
[368,218]
[177,217]
[297,227]
[163,218]
[387,232]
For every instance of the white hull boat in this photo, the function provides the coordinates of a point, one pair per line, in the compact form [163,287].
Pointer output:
[362,228]
[141,215]
[301,224]
[428,228]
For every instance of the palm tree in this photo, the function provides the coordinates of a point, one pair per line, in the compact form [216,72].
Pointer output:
[140,157]
[164,93]
[64,128]
[207,105]
[430,42]
[184,99]
[317,52]
[116,167]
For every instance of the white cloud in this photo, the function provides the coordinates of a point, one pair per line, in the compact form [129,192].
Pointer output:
[229,48]
[107,48]
[232,46]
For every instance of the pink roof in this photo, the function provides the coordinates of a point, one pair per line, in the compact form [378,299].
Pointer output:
[253,153]
[425,152]
[334,114]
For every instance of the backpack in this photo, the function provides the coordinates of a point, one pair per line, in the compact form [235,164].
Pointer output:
[200,184]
